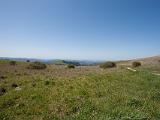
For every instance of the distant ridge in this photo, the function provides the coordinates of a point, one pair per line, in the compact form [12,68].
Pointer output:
[147,60]
[22,59]
[55,61]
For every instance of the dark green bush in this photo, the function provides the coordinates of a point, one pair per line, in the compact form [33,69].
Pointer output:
[14,85]
[108,65]
[33,84]
[37,65]
[28,61]
[3,77]
[8,103]
[134,103]
[46,83]
[12,62]
[2,91]
[70,66]
[136,64]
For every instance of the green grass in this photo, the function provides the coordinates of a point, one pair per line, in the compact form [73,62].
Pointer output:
[104,95]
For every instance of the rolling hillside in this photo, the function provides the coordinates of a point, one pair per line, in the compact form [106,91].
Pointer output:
[86,92]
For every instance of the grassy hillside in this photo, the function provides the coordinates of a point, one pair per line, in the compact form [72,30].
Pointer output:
[83,93]
[150,63]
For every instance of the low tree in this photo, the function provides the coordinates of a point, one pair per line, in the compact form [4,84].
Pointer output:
[108,65]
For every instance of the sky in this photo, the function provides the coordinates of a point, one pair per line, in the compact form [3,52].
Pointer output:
[80,29]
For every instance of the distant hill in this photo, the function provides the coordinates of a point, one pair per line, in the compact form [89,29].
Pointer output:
[56,61]
[146,61]
[74,62]
[63,62]
[22,59]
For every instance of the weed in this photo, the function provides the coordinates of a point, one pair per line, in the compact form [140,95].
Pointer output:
[134,103]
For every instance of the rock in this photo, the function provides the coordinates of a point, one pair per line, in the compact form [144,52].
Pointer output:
[156,74]
[18,88]
[128,68]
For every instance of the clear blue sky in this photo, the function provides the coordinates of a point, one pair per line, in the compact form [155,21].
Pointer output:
[80,29]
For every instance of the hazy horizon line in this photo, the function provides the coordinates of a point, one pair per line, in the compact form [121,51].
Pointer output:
[131,58]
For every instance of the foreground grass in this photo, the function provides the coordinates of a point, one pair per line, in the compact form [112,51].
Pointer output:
[116,95]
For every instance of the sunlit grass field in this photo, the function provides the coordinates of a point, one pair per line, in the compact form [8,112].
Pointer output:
[83,93]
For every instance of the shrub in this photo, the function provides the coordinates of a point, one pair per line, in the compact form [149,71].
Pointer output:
[3,77]
[33,84]
[28,61]
[156,96]
[14,85]
[37,65]
[108,65]
[46,83]
[70,66]
[134,103]
[159,61]
[12,62]
[8,103]
[2,91]
[136,64]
